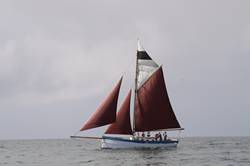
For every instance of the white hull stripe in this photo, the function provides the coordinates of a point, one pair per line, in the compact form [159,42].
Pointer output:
[140,141]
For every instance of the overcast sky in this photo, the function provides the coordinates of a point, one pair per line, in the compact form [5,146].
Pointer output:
[59,59]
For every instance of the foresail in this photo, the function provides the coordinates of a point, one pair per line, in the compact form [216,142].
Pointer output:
[122,124]
[153,110]
[146,66]
[106,113]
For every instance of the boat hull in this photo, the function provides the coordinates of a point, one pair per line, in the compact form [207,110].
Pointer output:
[122,143]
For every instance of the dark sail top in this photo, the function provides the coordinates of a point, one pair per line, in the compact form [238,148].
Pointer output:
[145,65]
[122,124]
[153,110]
[106,113]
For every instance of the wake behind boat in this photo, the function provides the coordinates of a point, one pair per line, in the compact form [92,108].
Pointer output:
[150,108]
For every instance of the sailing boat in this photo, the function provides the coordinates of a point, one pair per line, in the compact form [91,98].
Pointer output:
[149,106]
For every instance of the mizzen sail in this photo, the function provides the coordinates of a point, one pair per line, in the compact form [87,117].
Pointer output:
[153,110]
[106,113]
[122,124]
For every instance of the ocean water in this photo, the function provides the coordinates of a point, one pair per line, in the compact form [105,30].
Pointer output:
[221,151]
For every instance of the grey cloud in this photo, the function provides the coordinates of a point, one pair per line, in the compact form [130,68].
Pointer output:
[58,59]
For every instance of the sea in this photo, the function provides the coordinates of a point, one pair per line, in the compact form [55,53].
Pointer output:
[191,151]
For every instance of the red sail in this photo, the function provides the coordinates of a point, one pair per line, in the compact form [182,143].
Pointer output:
[122,124]
[106,113]
[153,110]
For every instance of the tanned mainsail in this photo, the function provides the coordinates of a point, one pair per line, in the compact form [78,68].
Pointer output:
[153,110]
[149,104]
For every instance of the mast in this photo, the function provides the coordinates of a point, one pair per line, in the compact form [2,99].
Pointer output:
[135,90]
